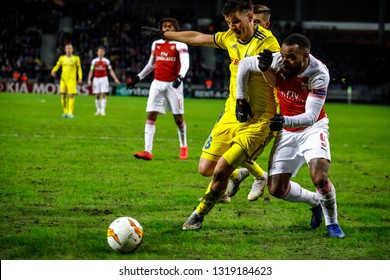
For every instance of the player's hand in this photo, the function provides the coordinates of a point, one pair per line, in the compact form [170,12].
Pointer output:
[53,74]
[80,82]
[243,109]
[276,123]
[152,33]
[117,82]
[177,82]
[132,82]
[265,60]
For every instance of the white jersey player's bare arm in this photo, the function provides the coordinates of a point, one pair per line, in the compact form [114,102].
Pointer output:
[313,104]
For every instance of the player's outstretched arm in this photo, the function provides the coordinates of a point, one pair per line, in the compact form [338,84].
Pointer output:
[192,38]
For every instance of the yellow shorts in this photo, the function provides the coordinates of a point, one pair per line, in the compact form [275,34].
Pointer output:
[68,86]
[252,136]
[220,137]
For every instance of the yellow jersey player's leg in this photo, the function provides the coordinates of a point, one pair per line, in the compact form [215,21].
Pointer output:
[72,91]
[71,102]
[64,101]
[249,141]
[218,142]
[234,157]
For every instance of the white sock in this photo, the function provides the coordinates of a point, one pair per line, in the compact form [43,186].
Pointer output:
[150,129]
[298,194]
[182,132]
[329,205]
[97,104]
[103,104]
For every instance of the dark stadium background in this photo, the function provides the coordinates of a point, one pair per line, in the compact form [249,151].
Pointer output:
[352,39]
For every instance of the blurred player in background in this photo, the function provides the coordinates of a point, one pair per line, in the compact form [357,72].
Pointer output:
[170,62]
[68,86]
[301,81]
[231,144]
[241,40]
[100,85]
[262,16]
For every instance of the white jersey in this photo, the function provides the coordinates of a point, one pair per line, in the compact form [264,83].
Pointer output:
[301,98]
[100,66]
[293,93]
[305,133]
[168,59]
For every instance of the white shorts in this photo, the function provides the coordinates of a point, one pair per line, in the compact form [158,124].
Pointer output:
[162,96]
[292,149]
[100,85]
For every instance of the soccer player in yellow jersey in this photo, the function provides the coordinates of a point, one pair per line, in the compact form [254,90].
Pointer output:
[68,87]
[232,144]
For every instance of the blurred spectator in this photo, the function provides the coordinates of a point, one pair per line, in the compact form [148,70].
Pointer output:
[16,77]
[209,84]
[118,30]
[24,78]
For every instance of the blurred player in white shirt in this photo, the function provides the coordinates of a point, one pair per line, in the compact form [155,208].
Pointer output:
[100,84]
[170,62]
[301,81]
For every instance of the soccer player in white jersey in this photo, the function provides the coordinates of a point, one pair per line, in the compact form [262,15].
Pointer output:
[170,62]
[100,85]
[301,81]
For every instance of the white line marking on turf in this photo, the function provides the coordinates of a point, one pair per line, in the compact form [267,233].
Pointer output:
[81,137]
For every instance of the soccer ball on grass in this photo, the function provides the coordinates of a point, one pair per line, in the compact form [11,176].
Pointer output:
[125,234]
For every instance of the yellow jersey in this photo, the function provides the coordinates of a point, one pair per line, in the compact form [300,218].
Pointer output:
[70,65]
[262,39]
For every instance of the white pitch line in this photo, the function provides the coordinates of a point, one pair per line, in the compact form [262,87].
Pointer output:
[81,137]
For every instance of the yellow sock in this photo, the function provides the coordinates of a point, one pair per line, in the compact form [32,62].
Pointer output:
[209,200]
[71,105]
[64,105]
[234,175]
[254,169]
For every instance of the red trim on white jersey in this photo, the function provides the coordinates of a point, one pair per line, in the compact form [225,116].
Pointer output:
[167,59]
[100,67]
[293,92]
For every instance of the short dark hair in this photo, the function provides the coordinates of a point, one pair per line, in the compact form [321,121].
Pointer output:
[233,6]
[172,20]
[101,47]
[298,39]
[261,9]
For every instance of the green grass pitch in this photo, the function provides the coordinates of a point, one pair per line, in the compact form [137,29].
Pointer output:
[63,181]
